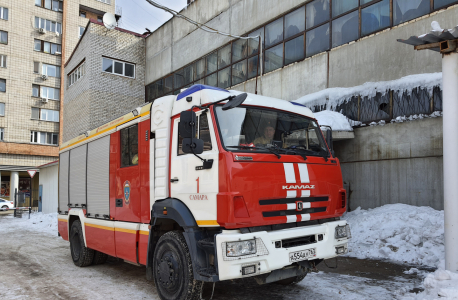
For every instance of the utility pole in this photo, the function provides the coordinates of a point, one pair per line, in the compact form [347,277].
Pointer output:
[445,42]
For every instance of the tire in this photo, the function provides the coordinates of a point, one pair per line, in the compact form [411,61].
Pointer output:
[5,207]
[172,269]
[292,280]
[99,258]
[81,255]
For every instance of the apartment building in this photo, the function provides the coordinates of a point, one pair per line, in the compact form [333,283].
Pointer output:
[36,38]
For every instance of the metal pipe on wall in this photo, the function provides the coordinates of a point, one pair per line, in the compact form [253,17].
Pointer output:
[450,140]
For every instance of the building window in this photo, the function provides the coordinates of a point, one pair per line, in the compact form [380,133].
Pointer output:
[35,90]
[375,17]
[56,5]
[48,25]
[129,146]
[442,3]
[2,85]
[312,28]
[36,67]
[45,92]
[105,1]
[3,37]
[47,47]
[83,14]
[2,61]
[76,74]
[4,13]
[118,67]
[51,70]
[80,31]
[2,134]
[45,114]
[46,138]
[50,93]
[2,109]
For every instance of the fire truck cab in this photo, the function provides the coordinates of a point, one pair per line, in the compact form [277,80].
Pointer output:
[205,186]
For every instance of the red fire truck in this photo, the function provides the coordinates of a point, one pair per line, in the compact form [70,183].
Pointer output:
[205,186]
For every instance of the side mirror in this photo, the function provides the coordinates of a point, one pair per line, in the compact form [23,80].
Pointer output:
[329,140]
[187,124]
[234,102]
[194,145]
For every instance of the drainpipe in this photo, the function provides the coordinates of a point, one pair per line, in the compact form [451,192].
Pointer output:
[450,124]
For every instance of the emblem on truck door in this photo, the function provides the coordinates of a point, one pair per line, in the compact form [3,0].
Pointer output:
[126,192]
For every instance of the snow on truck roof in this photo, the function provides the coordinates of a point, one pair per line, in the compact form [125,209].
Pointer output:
[200,94]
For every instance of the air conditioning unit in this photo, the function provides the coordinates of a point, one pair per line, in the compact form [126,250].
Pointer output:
[41,30]
[44,100]
[57,53]
[57,34]
[44,77]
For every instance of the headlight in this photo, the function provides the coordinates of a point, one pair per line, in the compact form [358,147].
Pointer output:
[241,248]
[343,231]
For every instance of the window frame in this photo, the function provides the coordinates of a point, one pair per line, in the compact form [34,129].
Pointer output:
[78,72]
[2,134]
[129,146]
[42,47]
[46,73]
[60,3]
[40,114]
[123,67]
[3,61]
[37,135]
[2,12]
[44,27]
[4,109]
[3,31]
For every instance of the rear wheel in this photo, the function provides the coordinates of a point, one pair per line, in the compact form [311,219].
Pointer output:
[82,256]
[172,269]
[5,207]
[292,280]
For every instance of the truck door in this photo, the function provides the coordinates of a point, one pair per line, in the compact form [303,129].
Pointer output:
[196,188]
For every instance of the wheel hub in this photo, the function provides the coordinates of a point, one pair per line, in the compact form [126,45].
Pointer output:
[167,269]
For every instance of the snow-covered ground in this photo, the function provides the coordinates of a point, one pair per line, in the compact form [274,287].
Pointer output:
[405,234]
[400,233]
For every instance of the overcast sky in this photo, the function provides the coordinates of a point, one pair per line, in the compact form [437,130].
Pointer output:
[139,14]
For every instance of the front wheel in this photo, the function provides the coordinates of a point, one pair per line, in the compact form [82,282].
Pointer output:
[82,256]
[172,269]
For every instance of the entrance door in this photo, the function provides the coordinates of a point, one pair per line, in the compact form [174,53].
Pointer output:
[196,188]
[40,194]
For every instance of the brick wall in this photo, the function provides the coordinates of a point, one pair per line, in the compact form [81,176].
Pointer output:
[100,97]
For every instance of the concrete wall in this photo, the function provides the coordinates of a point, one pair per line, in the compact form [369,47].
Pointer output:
[49,181]
[378,57]
[394,163]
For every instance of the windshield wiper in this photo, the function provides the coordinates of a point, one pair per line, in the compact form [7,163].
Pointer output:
[257,148]
[322,152]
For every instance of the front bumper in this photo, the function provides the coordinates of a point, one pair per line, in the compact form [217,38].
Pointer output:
[269,258]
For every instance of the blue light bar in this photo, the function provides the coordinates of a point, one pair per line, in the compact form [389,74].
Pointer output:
[196,88]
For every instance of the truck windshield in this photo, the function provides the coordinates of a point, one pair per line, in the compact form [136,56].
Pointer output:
[249,129]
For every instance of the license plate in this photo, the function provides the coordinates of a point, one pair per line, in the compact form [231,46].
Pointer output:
[302,255]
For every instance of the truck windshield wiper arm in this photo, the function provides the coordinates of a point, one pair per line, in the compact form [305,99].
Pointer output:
[257,148]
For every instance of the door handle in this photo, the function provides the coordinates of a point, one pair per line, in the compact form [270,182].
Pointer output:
[174,180]
[118,202]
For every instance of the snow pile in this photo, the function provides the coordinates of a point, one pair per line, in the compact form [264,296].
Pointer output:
[399,232]
[441,284]
[335,96]
[337,121]
[37,222]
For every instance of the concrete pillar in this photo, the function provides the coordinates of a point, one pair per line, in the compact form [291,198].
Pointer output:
[450,124]
[14,184]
